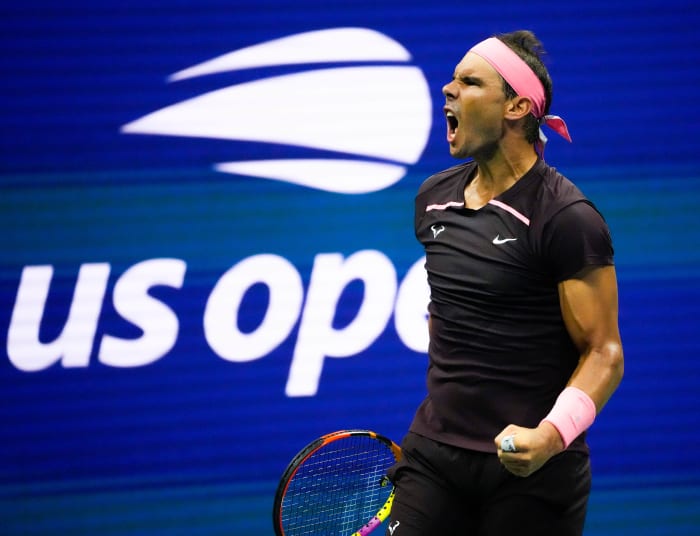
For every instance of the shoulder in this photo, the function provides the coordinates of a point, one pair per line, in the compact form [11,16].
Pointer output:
[558,190]
[570,231]
[444,180]
[558,197]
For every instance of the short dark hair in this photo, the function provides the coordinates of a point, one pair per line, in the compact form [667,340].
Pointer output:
[526,45]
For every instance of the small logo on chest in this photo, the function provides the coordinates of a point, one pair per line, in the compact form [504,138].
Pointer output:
[498,240]
[437,229]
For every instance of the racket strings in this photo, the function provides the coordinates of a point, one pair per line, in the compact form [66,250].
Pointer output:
[337,488]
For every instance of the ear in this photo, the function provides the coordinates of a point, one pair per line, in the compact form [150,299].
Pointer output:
[517,108]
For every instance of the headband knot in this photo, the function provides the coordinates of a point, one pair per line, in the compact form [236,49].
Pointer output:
[523,81]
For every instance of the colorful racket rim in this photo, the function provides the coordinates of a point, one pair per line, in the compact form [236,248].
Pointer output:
[336,485]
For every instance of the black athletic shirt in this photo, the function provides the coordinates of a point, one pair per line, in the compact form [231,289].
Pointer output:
[499,351]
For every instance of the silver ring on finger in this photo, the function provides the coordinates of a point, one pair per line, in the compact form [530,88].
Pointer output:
[507,444]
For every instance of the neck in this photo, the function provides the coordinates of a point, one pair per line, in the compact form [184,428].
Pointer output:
[500,170]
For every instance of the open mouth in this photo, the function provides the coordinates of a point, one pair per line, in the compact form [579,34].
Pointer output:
[452,125]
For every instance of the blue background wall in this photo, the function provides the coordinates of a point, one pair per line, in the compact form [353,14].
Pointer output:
[193,443]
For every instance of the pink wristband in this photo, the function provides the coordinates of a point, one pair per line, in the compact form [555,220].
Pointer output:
[572,414]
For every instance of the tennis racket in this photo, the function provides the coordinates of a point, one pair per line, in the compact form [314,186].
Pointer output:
[336,486]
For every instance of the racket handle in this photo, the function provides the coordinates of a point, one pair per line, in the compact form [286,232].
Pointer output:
[378,519]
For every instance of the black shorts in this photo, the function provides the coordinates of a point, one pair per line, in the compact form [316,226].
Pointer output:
[447,491]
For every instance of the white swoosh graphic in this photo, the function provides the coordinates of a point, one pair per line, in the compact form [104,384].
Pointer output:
[377,111]
[341,176]
[380,111]
[332,45]
[498,240]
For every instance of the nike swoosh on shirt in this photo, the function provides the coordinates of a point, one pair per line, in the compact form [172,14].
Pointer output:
[498,240]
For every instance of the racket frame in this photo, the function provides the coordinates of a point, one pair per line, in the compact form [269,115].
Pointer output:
[308,451]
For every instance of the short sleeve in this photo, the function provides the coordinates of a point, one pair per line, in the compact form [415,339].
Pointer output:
[576,237]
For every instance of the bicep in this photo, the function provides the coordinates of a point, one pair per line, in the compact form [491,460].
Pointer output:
[589,307]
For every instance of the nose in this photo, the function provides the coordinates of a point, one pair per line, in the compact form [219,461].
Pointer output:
[448,90]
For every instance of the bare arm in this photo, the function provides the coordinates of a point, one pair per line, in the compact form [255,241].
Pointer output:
[589,308]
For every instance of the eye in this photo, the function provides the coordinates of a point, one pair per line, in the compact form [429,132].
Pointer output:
[469,81]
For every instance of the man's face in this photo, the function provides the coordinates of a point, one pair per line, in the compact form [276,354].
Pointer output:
[474,107]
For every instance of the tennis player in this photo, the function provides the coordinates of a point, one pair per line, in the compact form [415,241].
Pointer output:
[524,343]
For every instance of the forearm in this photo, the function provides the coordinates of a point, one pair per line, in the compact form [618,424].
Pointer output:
[599,372]
[595,379]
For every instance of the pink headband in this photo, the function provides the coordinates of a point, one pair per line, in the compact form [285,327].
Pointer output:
[522,79]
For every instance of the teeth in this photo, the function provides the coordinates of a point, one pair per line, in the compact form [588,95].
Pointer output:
[449,114]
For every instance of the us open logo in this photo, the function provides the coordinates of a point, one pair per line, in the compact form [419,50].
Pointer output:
[377,118]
